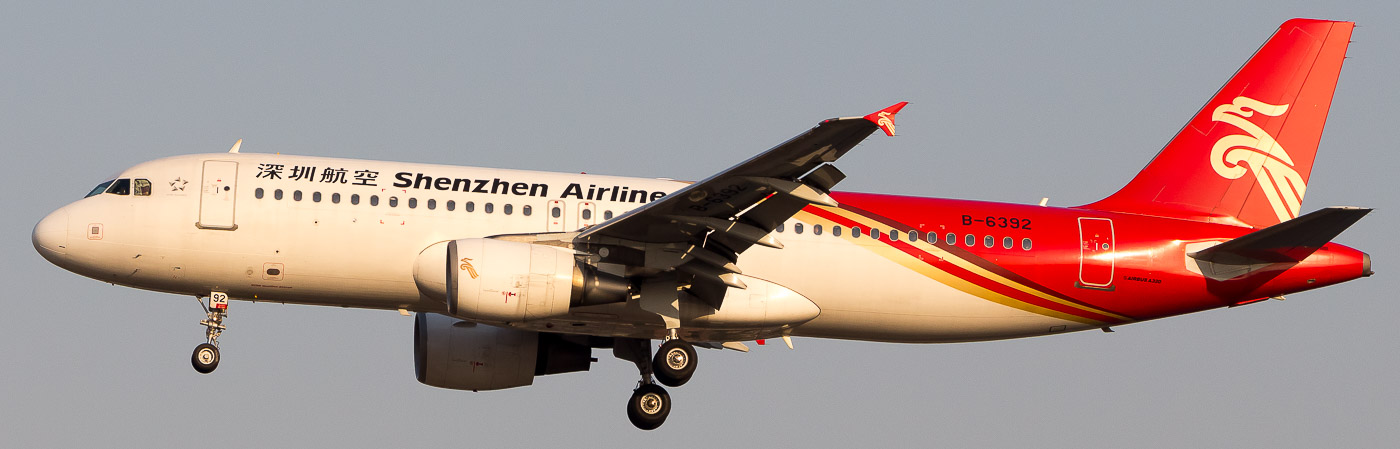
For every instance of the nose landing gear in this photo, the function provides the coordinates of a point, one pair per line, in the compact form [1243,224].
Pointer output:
[206,355]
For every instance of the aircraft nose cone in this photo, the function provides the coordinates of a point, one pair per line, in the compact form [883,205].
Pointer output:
[51,235]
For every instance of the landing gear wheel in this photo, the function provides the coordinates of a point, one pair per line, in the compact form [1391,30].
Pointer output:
[649,406]
[205,358]
[674,363]
[206,355]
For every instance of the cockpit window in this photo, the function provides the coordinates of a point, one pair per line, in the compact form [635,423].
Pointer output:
[99,189]
[120,187]
[143,187]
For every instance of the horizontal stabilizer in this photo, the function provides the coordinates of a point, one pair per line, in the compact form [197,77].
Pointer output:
[1290,241]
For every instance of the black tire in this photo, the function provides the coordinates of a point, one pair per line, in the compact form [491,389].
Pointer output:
[674,363]
[205,358]
[649,406]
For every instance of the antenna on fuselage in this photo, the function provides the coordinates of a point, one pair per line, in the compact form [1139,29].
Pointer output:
[237,144]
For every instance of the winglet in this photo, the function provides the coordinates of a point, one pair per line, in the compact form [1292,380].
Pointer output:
[237,144]
[884,118]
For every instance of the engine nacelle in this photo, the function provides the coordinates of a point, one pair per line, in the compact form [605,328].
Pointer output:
[462,355]
[504,281]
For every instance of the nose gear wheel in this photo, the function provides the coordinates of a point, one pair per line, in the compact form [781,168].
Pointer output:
[206,355]
[205,358]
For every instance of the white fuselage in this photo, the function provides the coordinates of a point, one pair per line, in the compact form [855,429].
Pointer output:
[304,241]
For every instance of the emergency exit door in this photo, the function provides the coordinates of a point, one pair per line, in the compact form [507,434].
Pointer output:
[1096,255]
[555,215]
[587,214]
[217,194]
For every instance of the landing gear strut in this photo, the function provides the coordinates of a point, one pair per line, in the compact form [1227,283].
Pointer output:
[206,355]
[650,404]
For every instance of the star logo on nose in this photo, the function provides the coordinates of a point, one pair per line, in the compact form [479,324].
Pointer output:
[178,185]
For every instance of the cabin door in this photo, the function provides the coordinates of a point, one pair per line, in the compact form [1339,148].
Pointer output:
[217,193]
[1096,255]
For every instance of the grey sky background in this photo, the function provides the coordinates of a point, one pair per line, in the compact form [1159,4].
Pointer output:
[1009,102]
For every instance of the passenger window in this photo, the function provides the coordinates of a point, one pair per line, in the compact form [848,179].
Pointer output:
[780,227]
[277,194]
[335,198]
[587,214]
[432,204]
[526,209]
[1026,244]
[1007,242]
[120,187]
[258,193]
[451,205]
[913,236]
[797,228]
[355,199]
[876,234]
[555,212]
[316,197]
[970,240]
[490,208]
[469,207]
[374,200]
[413,203]
[507,208]
[855,232]
[894,235]
[393,201]
[296,195]
[836,231]
[932,237]
[989,241]
[99,189]
[143,187]
[607,215]
[951,239]
[817,229]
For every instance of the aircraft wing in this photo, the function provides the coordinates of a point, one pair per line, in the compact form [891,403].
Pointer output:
[702,228]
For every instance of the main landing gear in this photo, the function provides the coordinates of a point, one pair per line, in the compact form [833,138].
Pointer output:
[673,366]
[206,355]
[648,406]
[674,362]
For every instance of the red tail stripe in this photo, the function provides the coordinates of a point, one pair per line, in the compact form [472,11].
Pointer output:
[975,279]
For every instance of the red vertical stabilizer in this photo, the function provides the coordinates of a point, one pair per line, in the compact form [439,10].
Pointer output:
[1246,156]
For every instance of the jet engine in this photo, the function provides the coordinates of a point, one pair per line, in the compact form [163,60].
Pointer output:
[504,281]
[462,355]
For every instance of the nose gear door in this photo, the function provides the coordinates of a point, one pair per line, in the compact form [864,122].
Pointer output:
[217,194]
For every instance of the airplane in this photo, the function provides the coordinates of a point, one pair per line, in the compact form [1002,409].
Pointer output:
[514,274]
